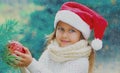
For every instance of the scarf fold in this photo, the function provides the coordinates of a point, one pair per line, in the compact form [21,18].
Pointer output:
[68,53]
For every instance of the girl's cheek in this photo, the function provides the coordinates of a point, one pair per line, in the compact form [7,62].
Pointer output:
[58,34]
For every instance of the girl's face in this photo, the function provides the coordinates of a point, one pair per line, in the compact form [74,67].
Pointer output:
[66,34]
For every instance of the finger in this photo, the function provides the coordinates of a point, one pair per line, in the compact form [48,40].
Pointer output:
[18,58]
[20,54]
[27,50]
[20,64]
[21,57]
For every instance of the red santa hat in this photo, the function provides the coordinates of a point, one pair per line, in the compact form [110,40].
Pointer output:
[84,19]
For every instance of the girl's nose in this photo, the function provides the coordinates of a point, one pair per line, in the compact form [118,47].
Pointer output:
[65,35]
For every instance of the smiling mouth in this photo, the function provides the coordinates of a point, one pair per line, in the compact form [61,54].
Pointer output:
[64,41]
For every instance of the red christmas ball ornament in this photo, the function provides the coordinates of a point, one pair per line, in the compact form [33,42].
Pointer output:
[15,46]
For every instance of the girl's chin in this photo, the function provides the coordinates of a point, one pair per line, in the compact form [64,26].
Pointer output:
[64,45]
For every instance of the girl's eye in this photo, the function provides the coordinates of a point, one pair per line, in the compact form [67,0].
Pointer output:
[60,29]
[71,30]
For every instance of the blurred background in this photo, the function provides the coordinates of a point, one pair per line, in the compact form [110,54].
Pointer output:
[29,21]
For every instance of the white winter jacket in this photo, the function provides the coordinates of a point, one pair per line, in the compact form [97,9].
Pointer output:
[47,65]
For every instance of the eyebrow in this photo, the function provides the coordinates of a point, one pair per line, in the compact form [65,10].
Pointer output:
[71,27]
[59,26]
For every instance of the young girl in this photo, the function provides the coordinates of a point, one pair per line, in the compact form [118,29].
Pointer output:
[68,50]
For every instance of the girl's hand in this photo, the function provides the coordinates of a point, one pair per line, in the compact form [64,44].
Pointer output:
[23,59]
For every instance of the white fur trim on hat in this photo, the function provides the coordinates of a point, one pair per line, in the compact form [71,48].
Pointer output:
[74,20]
[96,44]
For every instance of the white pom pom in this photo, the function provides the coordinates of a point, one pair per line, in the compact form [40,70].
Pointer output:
[96,44]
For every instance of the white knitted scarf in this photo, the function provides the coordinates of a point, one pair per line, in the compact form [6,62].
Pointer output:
[68,53]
